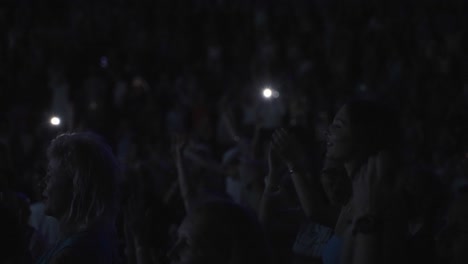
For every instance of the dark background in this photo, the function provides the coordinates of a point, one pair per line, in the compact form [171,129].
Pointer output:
[139,72]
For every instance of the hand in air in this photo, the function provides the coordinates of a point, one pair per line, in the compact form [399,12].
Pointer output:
[274,163]
[287,147]
[369,185]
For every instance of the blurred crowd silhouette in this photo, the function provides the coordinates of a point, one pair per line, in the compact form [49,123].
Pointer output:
[176,90]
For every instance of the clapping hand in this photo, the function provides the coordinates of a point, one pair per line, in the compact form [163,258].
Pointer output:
[287,147]
[370,184]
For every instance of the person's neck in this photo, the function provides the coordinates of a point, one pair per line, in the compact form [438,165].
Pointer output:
[351,168]
[66,228]
[353,165]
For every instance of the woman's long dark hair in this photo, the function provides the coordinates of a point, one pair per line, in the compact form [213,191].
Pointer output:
[93,169]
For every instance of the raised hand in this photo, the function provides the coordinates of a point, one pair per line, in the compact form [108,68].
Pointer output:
[274,163]
[179,143]
[287,147]
[371,184]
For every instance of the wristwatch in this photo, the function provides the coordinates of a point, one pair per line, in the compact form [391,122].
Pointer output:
[367,224]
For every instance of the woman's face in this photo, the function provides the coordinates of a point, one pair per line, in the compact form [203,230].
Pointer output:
[340,143]
[59,191]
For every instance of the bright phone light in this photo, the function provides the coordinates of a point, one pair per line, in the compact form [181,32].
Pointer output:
[55,121]
[267,92]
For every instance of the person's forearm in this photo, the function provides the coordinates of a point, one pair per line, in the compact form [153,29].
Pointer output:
[312,203]
[304,193]
[378,239]
[142,253]
[255,141]
[365,249]
[358,247]
[185,188]
[230,127]
[269,193]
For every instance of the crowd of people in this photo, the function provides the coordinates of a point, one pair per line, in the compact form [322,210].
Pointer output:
[233,131]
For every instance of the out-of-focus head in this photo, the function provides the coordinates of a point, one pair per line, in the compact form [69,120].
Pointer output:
[12,236]
[452,242]
[361,128]
[219,232]
[82,175]
[335,182]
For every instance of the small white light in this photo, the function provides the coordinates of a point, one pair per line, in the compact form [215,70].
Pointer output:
[55,121]
[267,92]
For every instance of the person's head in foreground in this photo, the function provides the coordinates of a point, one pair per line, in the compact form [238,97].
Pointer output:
[452,242]
[81,188]
[220,232]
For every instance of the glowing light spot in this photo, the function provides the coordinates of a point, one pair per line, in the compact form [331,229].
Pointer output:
[267,93]
[55,121]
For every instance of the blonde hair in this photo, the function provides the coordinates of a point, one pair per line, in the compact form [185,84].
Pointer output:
[93,169]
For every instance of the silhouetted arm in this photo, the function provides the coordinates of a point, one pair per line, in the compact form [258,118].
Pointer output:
[271,190]
[313,204]
[308,191]
[186,189]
